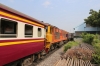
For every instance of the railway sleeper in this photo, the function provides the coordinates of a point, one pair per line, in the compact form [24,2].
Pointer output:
[72,62]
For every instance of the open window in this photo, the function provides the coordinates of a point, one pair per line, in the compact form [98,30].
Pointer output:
[28,30]
[39,32]
[8,28]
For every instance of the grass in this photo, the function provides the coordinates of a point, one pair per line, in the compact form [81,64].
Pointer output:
[69,45]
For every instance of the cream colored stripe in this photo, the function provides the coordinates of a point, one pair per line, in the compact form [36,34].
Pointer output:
[18,18]
[18,42]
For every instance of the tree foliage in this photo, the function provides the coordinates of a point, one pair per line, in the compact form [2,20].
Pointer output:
[93,19]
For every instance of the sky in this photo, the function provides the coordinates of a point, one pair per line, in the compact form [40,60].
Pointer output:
[65,14]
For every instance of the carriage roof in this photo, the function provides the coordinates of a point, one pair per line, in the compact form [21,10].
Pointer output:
[8,9]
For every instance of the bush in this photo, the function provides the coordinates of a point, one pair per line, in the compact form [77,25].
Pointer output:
[83,34]
[96,56]
[96,59]
[94,40]
[96,45]
[69,45]
[87,38]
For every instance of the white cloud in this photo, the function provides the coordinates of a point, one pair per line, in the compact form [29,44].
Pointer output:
[46,3]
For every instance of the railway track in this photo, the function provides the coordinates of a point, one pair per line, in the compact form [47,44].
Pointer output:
[43,59]
[77,56]
[73,62]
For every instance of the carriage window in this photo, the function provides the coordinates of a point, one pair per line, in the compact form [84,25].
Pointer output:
[28,30]
[39,32]
[8,28]
[57,35]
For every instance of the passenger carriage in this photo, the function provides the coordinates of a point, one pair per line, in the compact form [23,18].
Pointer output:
[21,37]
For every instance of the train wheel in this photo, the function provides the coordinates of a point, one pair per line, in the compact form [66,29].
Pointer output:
[39,56]
[58,45]
[33,58]
[27,62]
[55,46]
[52,47]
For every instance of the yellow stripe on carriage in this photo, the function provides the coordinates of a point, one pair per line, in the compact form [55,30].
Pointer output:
[19,42]
[19,18]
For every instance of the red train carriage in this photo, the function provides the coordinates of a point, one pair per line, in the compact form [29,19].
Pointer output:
[20,36]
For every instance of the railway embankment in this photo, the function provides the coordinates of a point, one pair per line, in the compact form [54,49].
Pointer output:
[80,52]
[85,53]
[77,56]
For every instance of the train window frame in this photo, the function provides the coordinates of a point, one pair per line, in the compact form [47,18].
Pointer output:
[39,32]
[57,35]
[27,27]
[6,28]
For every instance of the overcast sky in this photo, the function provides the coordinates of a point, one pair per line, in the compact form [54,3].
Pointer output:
[65,14]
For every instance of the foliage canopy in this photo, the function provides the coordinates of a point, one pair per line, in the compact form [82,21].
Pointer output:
[93,19]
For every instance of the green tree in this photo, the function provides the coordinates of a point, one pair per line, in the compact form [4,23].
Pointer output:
[93,19]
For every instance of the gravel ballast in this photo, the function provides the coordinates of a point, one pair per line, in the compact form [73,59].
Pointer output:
[52,59]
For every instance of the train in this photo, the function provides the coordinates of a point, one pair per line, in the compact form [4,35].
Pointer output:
[24,39]
[70,36]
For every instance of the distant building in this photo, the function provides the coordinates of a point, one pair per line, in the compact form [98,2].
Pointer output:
[85,28]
